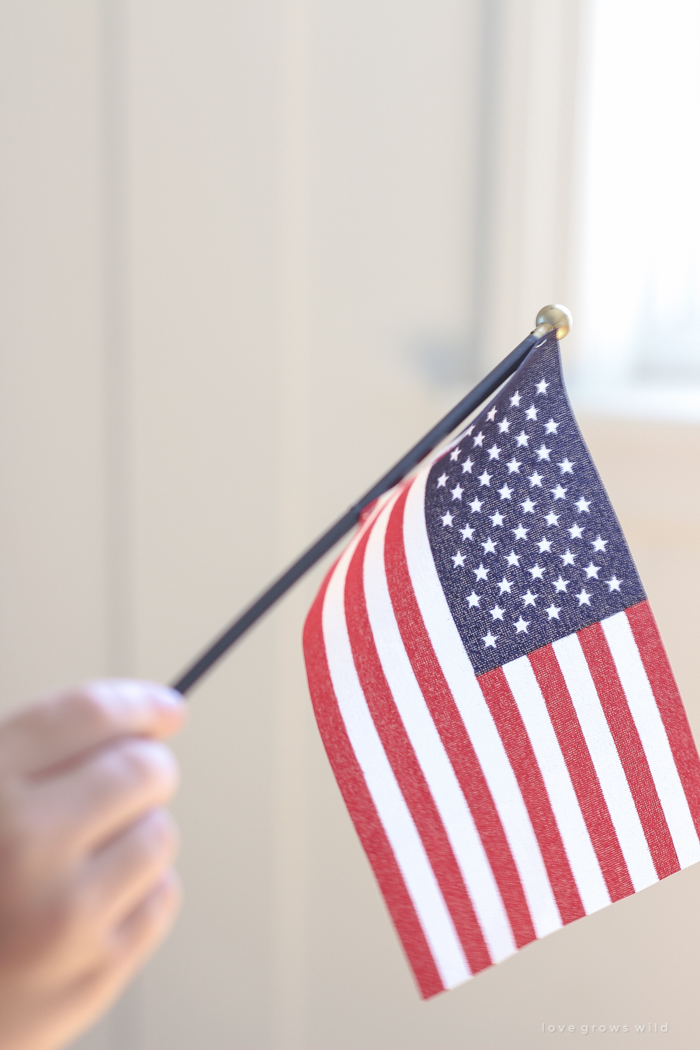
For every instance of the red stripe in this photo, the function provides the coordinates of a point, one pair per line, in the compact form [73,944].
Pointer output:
[582,772]
[360,805]
[450,726]
[668,700]
[406,768]
[516,742]
[629,748]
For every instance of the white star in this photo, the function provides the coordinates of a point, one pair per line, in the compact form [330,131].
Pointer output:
[457,492]
[467,465]
[567,557]
[494,452]
[531,413]
[469,430]
[598,544]
[497,613]
[584,597]
[560,584]
[441,481]
[481,573]
[520,533]
[576,532]
[544,545]
[592,571]
[485,478]
[489,640]
[489,546]
[529,598]
[447,519]
[536,480]
[542,387]
[513,558]
[467,532]
[491,414]
[613,584]
[559,492]
[458,559]
[505,586]
[522,439]
[476,505]
[454,455]
[543,452]
[506,492]
[514,466]
[473,600]
[552,518]
[528,507]
[478,440]
[583,505]
[536,572]
[515,400]
[550,427]
[497,519]
[521,625]
[503,426]
[566,466]
[553,611]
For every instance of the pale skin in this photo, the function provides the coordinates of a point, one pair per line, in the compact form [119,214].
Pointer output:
[87,887]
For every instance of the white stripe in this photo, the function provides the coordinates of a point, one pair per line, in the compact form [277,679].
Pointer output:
[476,716]
[657,749]
[430,752]
[572,827]
[606,761]
[417,873]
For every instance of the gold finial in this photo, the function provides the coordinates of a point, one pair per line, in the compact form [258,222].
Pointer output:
[555,316]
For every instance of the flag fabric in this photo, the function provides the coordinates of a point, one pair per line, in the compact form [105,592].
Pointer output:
[494,696]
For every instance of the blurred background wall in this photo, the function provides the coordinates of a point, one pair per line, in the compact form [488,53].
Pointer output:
[249,251]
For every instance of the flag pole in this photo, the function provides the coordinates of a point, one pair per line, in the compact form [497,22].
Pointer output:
[549,318]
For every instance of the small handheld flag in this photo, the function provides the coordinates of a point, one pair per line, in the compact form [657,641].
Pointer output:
[494,696]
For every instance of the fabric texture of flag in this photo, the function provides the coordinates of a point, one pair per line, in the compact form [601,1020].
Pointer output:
[494,696]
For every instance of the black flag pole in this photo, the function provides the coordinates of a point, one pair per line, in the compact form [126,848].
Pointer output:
[549,318]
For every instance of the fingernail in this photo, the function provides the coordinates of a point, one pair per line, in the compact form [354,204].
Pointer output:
[141,691]
[166,696]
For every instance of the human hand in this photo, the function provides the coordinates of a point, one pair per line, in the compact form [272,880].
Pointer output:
[86,884]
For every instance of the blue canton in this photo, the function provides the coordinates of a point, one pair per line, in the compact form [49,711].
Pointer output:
[526,543]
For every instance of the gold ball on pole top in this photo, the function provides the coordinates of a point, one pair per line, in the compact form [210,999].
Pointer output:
[551,317]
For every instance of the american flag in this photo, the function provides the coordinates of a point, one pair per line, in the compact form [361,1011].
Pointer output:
[494,696]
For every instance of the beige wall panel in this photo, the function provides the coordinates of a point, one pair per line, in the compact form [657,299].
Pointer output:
[393,181]
[528,151]
[203,118]
[52,398]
